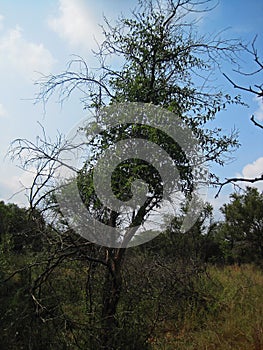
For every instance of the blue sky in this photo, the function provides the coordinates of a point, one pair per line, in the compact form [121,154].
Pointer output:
[41,36]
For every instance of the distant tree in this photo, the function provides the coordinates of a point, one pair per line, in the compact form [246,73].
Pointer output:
[21,230]
[21,240]
[242,230]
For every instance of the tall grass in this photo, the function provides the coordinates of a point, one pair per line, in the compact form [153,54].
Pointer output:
[231,316]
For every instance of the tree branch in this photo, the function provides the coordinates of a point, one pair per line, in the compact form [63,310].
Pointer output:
[255,122]
[237,179]
[248,89]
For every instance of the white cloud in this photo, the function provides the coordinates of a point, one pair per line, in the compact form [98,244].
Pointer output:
[3,112]
[254,169]
[13,186]
[25,57]
[1,22]
[259,112]
[251,171]
[76,24]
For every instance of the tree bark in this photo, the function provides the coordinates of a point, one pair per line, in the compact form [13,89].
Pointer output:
[111,297]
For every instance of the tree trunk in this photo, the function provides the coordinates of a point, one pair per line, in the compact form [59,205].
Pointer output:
[110,298]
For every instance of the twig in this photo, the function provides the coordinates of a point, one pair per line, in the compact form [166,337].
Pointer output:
[237,179]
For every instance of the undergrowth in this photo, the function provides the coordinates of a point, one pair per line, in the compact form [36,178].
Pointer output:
[230,316]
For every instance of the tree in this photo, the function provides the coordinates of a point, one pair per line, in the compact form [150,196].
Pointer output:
[164,62]
[21,240]
[243,226]
[20,231]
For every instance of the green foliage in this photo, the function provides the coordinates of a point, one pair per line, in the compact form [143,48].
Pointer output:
[18,231]
[163,56]
[20,241]
[199,244]
[169,299]
[133,169]
[242,230]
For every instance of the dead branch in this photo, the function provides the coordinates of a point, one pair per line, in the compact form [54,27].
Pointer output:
[256,123]
[237,179]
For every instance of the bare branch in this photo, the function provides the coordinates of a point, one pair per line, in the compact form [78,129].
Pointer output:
[70,80]
[248,89]
[237,179]
[258,91]
[255,122]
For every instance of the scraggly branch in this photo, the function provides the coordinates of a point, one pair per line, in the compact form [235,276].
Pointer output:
[257,90]
[256,123]
[72,79]
[237,179]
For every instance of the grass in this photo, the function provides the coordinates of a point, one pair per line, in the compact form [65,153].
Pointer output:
[232,316]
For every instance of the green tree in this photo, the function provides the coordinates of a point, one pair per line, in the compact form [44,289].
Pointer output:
[26,258]
[164,60]
[21,239]
[20,231]
[242,229]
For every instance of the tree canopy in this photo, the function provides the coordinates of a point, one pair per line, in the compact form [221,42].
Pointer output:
[243,225]
[165,62]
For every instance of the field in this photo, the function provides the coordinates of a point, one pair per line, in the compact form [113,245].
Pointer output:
[232,318]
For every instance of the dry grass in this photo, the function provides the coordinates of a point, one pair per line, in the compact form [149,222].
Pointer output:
[232,318]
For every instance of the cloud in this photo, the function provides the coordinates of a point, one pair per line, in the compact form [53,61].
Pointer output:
[1,22]
[253,170]
[259,112]
[3,112]
[13,186]
[25,57]
[76,24]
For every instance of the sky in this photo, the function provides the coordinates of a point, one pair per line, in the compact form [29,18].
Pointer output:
[40,37]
